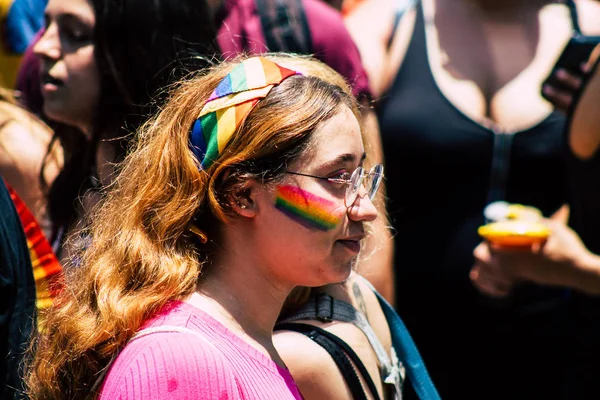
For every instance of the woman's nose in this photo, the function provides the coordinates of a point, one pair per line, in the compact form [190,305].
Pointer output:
[363,208]
[48,46]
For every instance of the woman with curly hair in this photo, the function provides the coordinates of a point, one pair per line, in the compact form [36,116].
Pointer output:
[248,183]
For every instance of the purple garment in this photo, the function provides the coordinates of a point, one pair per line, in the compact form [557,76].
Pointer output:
[28,79]
[241,31]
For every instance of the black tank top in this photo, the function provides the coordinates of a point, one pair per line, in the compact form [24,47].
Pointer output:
[438,170]
[584,198]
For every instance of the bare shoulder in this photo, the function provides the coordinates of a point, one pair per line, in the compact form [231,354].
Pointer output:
[313,369]
[24,142]
[370,25]
[24,139]
[589,16]
[382,43]
[380,13]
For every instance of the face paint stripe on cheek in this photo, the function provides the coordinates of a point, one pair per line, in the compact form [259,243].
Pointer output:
[306,208]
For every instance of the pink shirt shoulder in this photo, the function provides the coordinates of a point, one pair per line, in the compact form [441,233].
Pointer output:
[182,365]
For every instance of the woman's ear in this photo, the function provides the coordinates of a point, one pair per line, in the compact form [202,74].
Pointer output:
[242,200]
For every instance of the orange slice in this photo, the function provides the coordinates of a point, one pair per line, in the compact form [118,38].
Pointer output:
[513,233]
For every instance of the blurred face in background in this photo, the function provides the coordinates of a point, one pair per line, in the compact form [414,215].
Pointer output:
[69,74]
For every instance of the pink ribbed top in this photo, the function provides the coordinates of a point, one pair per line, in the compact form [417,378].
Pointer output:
[180,365]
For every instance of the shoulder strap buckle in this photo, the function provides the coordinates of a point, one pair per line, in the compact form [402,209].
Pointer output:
[324,307]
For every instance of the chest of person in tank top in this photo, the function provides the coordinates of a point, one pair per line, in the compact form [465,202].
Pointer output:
[456,90]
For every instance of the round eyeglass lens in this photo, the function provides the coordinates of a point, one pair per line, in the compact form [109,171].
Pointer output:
[375,177]
[355,181]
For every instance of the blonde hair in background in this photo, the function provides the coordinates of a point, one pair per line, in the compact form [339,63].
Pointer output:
[142,255]
[11,110]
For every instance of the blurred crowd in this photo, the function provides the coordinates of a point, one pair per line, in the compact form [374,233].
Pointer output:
[465,103]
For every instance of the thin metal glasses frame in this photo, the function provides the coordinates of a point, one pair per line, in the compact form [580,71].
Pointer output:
[375,175]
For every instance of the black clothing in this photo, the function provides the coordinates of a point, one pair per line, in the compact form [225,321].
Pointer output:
[584,199]
[17,298]
[438,164]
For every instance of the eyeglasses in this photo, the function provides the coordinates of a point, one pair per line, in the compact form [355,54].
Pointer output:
[371,180]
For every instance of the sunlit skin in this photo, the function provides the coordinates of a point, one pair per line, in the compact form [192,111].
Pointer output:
[277,243]
[339,150]
[265,251]
[70,80]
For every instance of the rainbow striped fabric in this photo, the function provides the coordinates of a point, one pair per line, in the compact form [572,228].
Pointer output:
[47,271]
[230,104]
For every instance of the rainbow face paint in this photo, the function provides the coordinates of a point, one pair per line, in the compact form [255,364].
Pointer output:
[306,208]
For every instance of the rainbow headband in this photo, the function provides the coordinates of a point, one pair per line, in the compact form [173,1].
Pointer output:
[230,104]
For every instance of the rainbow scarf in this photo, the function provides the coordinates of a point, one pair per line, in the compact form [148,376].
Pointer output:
[306,208]
[47,271]
[230,104]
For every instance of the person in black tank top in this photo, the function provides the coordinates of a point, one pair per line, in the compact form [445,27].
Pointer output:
[440,168]
[571,258]
[443,169]
[584,197]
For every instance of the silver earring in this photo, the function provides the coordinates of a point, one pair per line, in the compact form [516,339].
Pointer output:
[242,206]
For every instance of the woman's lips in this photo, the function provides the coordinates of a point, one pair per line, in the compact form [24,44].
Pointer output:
[352,245]
[50,84]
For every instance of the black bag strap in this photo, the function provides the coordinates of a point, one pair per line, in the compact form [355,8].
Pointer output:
[325,308]
[407,350]
[341,353]
[285,26]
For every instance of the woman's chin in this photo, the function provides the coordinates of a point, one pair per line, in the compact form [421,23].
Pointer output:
[55,112]
[335,273]
[342,272]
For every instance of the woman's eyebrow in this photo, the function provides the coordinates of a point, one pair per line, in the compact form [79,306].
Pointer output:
[344,159]
[68,17]
[71,17]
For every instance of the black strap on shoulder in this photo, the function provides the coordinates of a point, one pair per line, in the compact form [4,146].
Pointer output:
[341,353]
[285,26]
[574,17]
[402,6]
